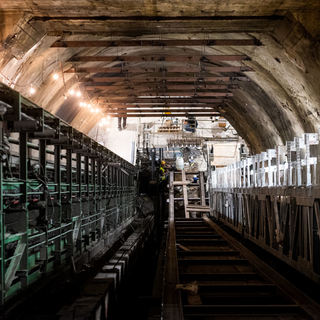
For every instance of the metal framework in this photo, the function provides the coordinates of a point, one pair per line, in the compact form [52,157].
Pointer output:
[274,199]
[62,194]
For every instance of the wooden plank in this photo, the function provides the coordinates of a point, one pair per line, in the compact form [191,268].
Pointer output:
[185,193]
[14,264]
[317,214]
[163,81]
[310,232]
[198,210]
[147,87]
[161,94]
[156,43]
[160,58]
[305,201]
[139,110]
[133,100]
[202,189]
[279,236]
[161,103]
[183,247]
[126,70]
[157,115]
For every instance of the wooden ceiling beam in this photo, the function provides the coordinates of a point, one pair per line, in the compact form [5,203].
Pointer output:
[163,115]
[170,95]
[164,79]
[128,87]
[159,58]
[163,104]
[193,111]
[160,100]
[156,18]
[160,107]
[156,43]
[126,70]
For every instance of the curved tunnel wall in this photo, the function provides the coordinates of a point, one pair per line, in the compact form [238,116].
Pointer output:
[281,100]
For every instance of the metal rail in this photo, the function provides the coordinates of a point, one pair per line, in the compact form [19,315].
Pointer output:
[229,281]
[273,199]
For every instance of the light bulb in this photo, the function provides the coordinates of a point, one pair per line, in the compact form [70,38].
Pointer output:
[78,94]
[71,92]
[89,105]
[91,109]
[103,120]
[84,104]
[100,124]
[96,110]
[108,117]
[32,90]
[55,76]
[65,97]
[81,104]
[108,129]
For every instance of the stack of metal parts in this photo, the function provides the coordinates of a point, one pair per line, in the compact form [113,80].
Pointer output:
[185,142]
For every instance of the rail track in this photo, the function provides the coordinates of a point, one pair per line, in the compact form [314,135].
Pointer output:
[232,282]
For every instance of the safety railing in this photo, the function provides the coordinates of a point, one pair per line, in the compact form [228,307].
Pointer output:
[289,165]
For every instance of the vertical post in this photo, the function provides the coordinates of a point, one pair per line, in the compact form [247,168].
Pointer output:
[43,197]
[278,165]
[254,171]
[78,226]
[99,199]
[185,194]
[171,306]
[94,198]
[24,218]
[306,142]
[86,203]
[57,218]
[249,161]
[69,203]
[2,221]
[263,172]
[271,154]
[153,159]
[298,145]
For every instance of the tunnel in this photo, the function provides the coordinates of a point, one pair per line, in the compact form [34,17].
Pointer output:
[159,159]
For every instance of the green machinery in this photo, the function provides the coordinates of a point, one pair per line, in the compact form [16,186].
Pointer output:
[61,193]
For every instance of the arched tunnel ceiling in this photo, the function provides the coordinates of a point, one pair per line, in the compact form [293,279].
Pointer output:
[279,102]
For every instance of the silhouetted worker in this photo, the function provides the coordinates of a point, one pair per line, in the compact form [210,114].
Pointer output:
[190,125]
[124,123]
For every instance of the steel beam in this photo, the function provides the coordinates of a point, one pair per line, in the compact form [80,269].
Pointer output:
[163,95]
[131,71]
[157,43]
[159,58]
[164,80]
[146,87]
[157,115]
[189,110]
[174,99]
